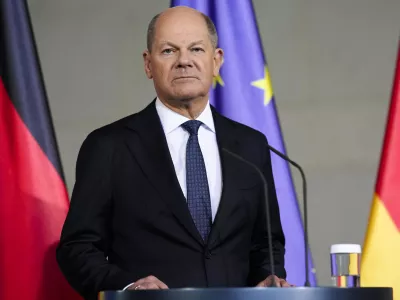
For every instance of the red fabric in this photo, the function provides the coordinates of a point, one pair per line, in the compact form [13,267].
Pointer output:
[388,182]
[33,206]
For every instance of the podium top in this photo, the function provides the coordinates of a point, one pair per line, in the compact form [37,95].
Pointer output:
[298,293]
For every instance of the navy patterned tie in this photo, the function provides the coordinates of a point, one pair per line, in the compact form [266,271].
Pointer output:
[198,194]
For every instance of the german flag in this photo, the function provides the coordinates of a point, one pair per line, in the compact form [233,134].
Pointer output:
[33,197]
[380,264]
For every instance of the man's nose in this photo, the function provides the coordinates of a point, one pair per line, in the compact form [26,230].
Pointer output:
[184,59]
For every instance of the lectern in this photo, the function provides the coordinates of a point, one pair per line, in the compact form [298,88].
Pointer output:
[295,293]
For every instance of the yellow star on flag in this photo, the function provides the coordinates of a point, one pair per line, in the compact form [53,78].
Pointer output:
[265,84]
[217,80]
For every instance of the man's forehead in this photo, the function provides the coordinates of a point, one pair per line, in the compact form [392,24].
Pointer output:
[181,35]
[193,42]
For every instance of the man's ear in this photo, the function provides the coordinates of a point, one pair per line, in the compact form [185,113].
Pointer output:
[147,64]
[218,60]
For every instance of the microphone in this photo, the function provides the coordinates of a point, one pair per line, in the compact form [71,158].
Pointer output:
[267,210]
[303,176]
[296,165]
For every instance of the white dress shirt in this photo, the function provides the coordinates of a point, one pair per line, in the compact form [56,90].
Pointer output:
[177,138]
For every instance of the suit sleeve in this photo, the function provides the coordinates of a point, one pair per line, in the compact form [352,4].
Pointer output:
[259,255]
[85,238]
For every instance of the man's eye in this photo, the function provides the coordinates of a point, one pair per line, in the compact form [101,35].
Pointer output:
[197,49]
[167,51]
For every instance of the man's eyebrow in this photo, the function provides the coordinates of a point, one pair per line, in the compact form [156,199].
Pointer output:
[163,43]
[196,42]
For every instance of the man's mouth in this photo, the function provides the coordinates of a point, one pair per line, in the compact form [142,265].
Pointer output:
[185,77]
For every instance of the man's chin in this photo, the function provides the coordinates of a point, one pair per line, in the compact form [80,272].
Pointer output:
[188,97]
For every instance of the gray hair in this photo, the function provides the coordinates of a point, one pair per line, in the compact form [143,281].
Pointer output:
[212,31]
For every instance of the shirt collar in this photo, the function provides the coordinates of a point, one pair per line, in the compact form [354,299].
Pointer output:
[171,120]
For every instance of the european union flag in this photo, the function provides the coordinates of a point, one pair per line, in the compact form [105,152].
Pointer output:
[243,92]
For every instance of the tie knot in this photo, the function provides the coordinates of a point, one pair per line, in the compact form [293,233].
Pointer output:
[192,126]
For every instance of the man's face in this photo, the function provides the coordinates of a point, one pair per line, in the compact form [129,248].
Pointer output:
[182,62]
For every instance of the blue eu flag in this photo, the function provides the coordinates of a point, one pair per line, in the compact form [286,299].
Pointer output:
[243,92]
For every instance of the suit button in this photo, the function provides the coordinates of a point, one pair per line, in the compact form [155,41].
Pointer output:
[207,254]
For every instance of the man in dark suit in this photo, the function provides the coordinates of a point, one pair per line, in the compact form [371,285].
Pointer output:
[157,202]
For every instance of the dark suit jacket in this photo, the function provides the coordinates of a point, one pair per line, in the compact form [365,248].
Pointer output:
[129,219]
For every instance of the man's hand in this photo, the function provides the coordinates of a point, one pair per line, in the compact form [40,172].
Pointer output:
[279,282]
[148,283]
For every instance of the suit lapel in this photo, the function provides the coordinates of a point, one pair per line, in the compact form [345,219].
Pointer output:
[150,149]
[226,139]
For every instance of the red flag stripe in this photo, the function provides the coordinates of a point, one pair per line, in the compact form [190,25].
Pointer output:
[388,181]
[33,206]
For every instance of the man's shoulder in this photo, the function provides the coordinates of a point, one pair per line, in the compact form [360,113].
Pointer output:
[111,130]
[111,134]
[117,128]
[243,131]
